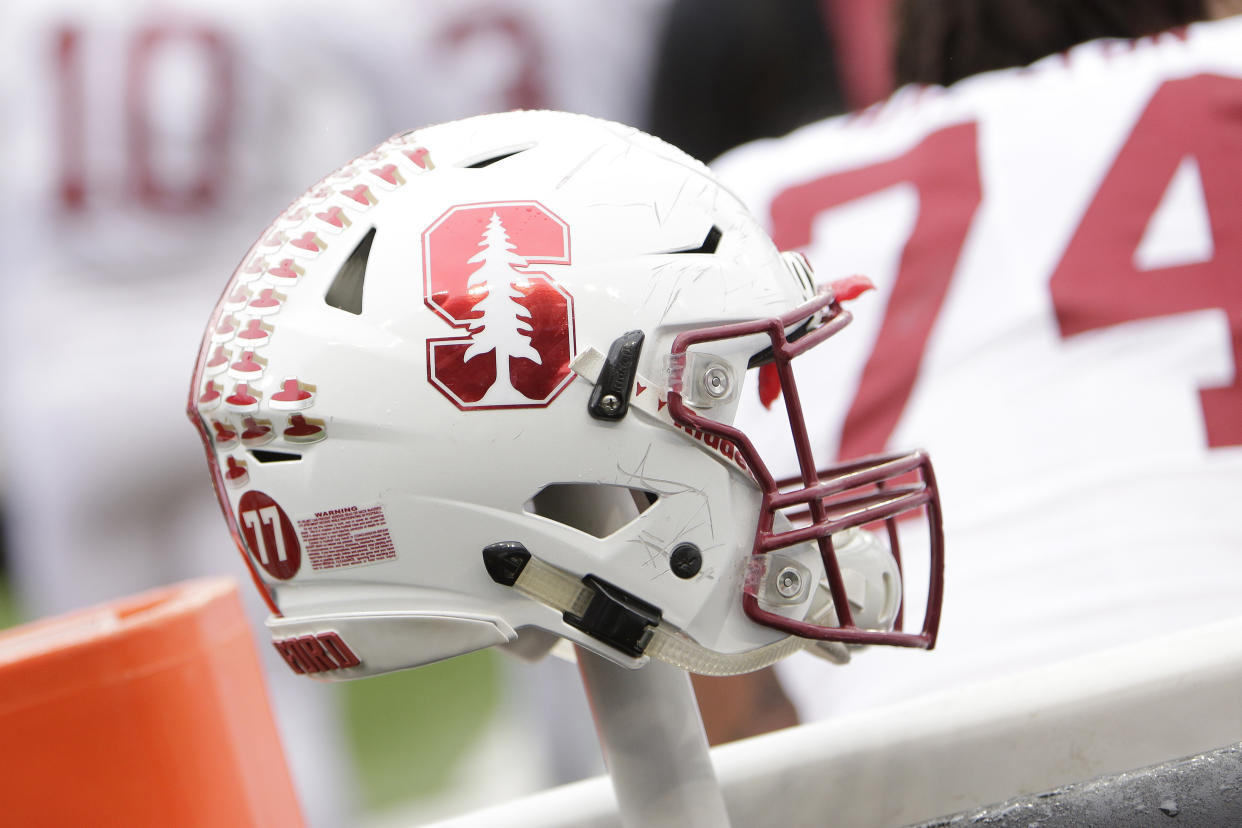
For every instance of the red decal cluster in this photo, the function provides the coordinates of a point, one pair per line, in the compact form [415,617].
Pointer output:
[309,242]
[252,269]
[217,362]
[266,303]
[319,653]
[224,330]
[334,217]
[247,368]
[210,398]
[255,334]
[284,274]
[293,396]
[361,194]
[302,430]
[242,399]
[236,300]
[257,433]
[225,436]
[388,174]
[236,474]
[237,372]
[420,157]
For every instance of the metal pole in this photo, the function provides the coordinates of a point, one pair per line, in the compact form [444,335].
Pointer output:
[654,744]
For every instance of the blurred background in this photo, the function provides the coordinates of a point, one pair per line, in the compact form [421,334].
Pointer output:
[148,143]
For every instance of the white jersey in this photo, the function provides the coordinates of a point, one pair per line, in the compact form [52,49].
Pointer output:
[146,145]
[431,62]
[1058,319]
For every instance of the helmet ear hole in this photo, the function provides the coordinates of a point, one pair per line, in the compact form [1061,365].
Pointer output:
[345,292]
[598,509]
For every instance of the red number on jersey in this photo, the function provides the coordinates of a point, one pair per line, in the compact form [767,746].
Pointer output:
[1097,284]
[208,145]
[945,170]
[526,90]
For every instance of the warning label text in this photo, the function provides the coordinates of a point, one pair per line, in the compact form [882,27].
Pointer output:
[346,537]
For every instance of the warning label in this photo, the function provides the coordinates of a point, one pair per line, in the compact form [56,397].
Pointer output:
[353,536]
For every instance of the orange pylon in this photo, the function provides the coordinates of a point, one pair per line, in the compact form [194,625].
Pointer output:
[146,711]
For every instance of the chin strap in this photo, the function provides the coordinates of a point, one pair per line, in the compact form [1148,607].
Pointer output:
[644,634]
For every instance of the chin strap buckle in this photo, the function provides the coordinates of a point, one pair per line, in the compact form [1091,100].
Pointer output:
[615,617]
[602,610]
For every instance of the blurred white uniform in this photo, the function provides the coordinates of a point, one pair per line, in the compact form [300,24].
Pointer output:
[1058,320]
[145,145]
[149,145]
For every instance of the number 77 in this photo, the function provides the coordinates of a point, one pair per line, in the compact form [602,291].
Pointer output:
[255,519]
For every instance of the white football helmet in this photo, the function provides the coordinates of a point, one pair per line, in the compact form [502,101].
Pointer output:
[476,388]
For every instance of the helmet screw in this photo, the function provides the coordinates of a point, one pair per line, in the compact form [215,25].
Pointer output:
[685,560]
[610,403]
[788,582]
[716,381]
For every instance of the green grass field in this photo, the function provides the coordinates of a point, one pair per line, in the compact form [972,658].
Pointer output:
[410,730]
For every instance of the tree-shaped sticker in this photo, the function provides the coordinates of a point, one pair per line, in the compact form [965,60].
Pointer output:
[478,277]
[504,327]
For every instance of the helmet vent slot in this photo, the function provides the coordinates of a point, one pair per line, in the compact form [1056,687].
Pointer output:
[266,456]
[710,242]
[598,509]
[346,289]
[492,159]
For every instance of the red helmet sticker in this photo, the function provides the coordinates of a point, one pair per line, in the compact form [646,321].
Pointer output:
[316,653]
[257,433]
[519,322]
[270,535]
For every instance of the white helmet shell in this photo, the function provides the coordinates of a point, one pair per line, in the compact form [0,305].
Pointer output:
[409,367]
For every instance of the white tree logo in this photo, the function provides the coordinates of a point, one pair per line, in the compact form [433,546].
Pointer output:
[505,325]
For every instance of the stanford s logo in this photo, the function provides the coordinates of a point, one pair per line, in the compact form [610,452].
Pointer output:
[518,322]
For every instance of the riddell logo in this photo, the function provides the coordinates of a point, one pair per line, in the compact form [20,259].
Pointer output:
[518,321]
[717,444]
